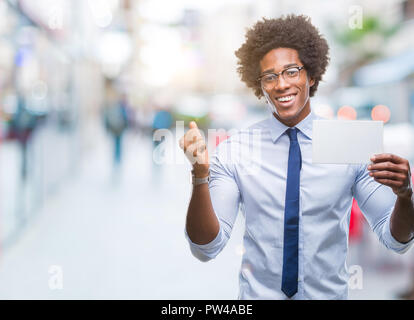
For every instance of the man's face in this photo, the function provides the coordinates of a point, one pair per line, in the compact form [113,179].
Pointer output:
[289,111]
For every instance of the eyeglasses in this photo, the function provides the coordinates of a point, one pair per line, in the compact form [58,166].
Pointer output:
[269,80]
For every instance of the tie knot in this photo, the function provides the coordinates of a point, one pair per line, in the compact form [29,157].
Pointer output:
[293,134]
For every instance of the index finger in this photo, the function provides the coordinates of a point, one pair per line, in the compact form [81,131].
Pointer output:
[193,134]
[382,157]
[192,125]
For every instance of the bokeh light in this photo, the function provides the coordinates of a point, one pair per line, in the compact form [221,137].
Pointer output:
[381,113]
[324,111]
[240,250]
[347,113]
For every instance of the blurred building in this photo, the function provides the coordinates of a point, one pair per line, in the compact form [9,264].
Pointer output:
[54,57]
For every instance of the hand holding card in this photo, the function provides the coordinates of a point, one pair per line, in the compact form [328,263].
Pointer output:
[346,141]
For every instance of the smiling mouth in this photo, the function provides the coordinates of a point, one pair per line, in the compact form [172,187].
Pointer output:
[285,98]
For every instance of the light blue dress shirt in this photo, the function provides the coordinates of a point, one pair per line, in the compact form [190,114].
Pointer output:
[249,170]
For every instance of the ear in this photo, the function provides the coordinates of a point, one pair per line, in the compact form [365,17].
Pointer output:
[311,82]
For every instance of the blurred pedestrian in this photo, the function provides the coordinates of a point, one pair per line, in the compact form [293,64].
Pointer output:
[162,120]
[355,223]
[116,122]
[21,127]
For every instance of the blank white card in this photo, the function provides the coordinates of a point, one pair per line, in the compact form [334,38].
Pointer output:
[346,141]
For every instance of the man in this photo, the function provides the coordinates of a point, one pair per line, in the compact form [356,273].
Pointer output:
[296,212]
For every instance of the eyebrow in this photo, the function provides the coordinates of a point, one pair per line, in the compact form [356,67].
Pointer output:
[284,67]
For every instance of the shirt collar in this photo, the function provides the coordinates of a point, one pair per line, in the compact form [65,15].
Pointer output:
[277,128]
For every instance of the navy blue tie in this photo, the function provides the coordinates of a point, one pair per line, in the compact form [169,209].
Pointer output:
[291,228]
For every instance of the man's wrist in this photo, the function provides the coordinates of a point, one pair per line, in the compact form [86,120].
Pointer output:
[200,179]
[200,174]
[407,193]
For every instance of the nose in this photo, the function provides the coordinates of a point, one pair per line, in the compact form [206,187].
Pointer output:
[282,84]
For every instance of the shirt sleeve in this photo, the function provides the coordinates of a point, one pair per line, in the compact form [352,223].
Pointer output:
[376,202]
[225,198]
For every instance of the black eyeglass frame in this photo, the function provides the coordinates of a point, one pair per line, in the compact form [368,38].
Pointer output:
[279,73]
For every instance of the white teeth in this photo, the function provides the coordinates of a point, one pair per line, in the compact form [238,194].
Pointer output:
[288,98]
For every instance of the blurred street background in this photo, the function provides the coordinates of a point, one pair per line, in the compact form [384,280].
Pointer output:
[93,99]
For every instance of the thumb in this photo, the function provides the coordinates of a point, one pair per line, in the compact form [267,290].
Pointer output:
[192,125]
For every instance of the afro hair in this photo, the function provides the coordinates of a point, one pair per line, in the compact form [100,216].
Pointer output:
[293,31]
